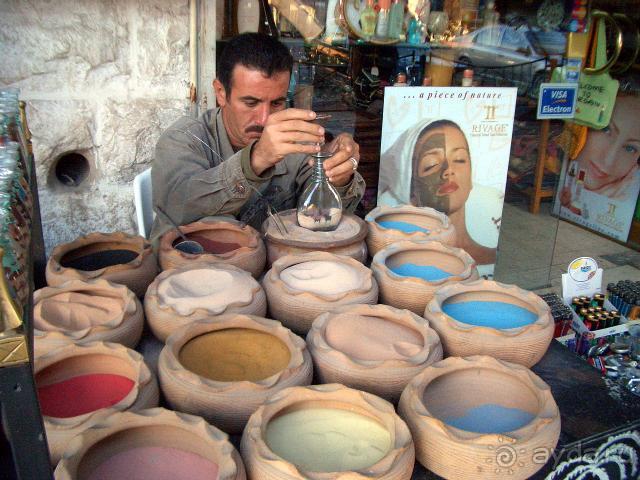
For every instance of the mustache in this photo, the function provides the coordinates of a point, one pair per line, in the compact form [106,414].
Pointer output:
[254,128]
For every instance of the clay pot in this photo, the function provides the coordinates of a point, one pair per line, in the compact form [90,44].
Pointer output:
[375,348]
[75,361]
[478,417]
[347,240]
[224,241]
[228,404]
[413,292]
[389,225]
[296,300]
[199,291]
[117,257]
[125,434]
[263,455]
[515,342]
[86,311]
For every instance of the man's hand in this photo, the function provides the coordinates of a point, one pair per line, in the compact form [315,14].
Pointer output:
[283,134]
[346,155]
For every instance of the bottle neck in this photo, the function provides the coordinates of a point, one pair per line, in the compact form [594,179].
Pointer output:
[318,169]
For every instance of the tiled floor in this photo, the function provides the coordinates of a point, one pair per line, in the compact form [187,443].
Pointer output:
[535,250]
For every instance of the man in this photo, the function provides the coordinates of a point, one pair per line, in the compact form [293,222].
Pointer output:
[216,164]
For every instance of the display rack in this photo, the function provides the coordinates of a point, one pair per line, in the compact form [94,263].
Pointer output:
[27,456]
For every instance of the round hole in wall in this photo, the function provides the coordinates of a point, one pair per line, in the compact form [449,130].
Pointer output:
[71,169]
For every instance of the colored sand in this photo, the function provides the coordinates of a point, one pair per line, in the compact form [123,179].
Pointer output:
[155,463]
[98,260]
[405,227]
[328,439]
[491,418]
[235,354]
[498,315]
[426,272]
[212,246]
[372,338]
[83,394]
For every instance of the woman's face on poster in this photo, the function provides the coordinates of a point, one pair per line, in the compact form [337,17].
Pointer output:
[610,154]
[441,169]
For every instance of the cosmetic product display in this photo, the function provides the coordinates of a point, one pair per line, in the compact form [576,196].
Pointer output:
[561,313]
[224,241]
[408,273]
[87,311]
[301,287]
[290,238]
[181,296]
[465,413]
[327,432]
[375,348]
[118,257]
[388,225]
[81,385]
[491,318]
[223,369]
[154,444]
[625,296]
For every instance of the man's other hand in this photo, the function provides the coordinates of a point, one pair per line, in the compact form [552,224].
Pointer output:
[344,162]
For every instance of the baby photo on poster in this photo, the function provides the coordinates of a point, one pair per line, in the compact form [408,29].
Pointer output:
[448,148]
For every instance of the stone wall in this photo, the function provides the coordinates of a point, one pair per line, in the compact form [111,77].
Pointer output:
[102,79]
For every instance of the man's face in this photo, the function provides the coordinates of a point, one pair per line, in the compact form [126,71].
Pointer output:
[253,97]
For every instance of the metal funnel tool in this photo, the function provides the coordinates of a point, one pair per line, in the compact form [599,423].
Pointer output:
[186,245]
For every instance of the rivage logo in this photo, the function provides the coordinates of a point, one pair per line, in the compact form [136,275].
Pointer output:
[490,112]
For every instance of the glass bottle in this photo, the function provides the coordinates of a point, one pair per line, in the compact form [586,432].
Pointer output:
[368,20]
[396,19]
[320,205]
[382,23]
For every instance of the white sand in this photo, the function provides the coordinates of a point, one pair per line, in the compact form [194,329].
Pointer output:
[322,277]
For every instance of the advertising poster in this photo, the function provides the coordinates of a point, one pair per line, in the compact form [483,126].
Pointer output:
[448,148]
[599,186]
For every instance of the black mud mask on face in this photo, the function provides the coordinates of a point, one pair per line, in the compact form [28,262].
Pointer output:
[424,188]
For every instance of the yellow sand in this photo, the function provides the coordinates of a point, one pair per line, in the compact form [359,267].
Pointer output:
[235,354]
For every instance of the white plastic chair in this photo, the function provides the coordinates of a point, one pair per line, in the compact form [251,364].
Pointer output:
[143,200]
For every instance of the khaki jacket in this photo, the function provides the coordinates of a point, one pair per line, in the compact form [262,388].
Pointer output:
[196,174]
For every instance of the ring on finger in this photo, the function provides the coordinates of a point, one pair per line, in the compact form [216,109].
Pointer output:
[354,164]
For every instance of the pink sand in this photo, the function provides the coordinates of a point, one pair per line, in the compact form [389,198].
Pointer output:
[155,463]
[372,338]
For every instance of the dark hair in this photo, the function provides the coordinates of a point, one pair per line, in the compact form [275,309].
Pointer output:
[438,124]
[255,51]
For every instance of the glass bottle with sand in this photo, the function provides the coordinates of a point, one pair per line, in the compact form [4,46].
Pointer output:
[320,205]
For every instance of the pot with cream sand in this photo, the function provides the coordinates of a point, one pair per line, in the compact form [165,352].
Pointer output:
[81,385]
[301,287]
[224,241]
[478,417]
[408,273]
[224,368]
[389,225]
[118,257]
[327,432]
[491,318]
[86,311]
[375,348]
[151,444]
[182,295]
[347,240]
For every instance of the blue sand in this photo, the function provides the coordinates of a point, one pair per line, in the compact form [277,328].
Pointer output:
[425,272]
[490,314]
[402,226]
[490,418]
